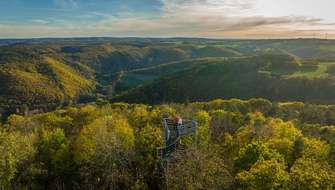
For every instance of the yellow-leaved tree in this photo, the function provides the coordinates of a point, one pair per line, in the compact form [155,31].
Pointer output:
[104,149]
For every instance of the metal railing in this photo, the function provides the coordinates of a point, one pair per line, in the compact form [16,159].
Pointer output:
[173,134]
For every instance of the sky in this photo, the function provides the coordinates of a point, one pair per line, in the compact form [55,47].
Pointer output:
[167,18]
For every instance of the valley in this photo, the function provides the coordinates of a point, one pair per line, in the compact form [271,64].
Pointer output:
[49,73]
[167,95]
[88,114]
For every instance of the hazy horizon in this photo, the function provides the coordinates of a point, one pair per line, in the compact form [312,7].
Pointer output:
[168,37]
[228,19]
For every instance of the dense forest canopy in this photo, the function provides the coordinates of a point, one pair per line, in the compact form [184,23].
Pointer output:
[86,113]
[252,144]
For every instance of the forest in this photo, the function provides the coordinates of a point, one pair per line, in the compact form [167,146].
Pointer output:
[40,75]
[253,144]
[87,113]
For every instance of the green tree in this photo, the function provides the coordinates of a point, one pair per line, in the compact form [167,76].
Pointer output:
[315,149]
[225,122]
[261,105]
[264,175]
[15,149]
[16,121]
[147,141]
[203,128]
[104,149]
[254,152]
[198,169]
[54,120]
[332,154]
[278,134]
[139,116]
[55,159]
[310,174]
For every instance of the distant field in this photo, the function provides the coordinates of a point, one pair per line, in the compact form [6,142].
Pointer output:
[327,48]
[320,72]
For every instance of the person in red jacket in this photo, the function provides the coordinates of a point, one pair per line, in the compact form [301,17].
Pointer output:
[178,121]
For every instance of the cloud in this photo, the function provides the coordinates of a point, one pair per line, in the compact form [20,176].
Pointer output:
[202,17]
[66,3]
[206,7]
[243,23]
[196,18]
[40,21]
[199,17]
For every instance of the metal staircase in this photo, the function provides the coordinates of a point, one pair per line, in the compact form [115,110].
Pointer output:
[173,134]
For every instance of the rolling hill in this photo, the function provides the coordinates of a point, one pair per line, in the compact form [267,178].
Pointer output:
[40,82]
[134,78]
[44,74]
[50,74]
[271,76]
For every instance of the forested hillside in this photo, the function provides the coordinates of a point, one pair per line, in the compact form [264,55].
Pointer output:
[275,76]
[137,77]
[252,144]
[51,74]
[63,125]
[43,74]
[32,78]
